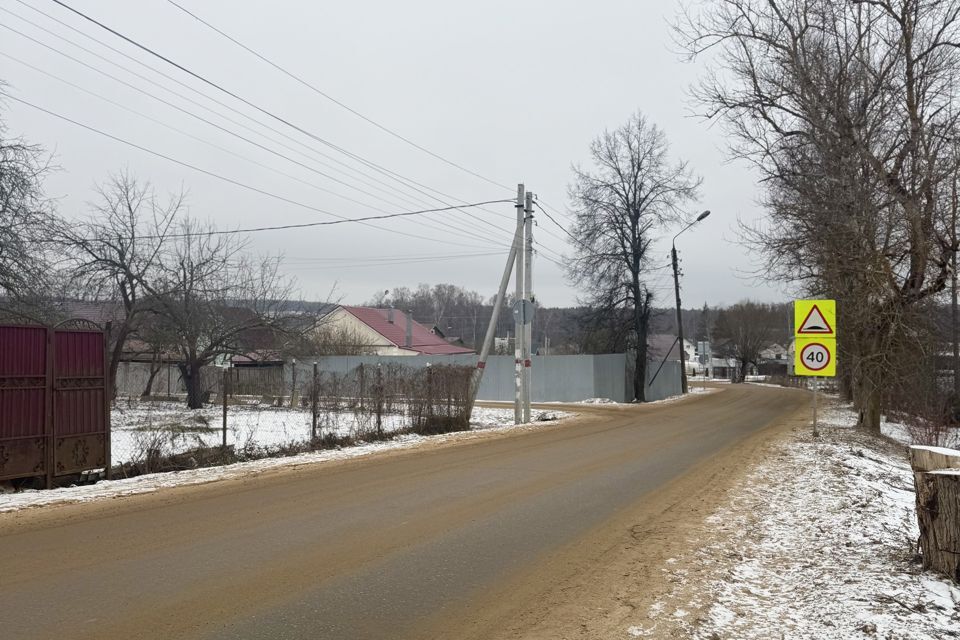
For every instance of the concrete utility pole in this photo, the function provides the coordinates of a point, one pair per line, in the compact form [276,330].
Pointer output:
[497,306]
[517,317]
[528,297]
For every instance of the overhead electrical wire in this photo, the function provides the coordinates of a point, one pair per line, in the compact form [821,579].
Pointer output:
[449,228]
[215,146]
[469,233]
[252,104]
[340,219]
[339,103]
[393,190]
[453,228]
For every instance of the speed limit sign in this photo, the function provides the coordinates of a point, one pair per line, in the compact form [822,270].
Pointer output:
[814,357]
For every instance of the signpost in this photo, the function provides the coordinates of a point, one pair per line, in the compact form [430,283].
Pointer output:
[815,343]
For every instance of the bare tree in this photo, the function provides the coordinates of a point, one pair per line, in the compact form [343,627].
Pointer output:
[846,109]
[743,330]
[630,194]
[115,254]
[215,299]
[25,221]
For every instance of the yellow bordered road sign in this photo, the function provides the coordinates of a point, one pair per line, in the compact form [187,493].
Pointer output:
[815,318]
[815,357]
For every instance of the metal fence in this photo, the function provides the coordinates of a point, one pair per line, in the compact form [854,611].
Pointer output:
[317,409]
[254,412]
[568,378]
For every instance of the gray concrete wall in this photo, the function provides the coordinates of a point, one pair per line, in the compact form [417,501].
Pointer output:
[555,378]
[667,383]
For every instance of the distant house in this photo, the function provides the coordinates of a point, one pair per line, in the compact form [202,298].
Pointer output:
[389,332]
[664,345]
[774,353]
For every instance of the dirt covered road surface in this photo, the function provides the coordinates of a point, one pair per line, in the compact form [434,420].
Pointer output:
[522,534]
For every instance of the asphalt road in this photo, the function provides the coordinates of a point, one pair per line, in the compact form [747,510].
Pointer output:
[393,546]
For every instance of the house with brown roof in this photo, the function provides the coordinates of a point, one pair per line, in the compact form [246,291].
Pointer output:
[389,332]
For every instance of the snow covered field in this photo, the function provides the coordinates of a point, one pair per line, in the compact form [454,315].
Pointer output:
[172,428]
[484,419]
[819,542]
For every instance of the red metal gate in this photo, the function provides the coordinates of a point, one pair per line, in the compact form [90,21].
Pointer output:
[54,402]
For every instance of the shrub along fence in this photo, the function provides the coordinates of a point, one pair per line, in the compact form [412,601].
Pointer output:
[316,410]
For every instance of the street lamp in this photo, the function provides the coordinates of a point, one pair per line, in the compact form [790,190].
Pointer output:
[676,287]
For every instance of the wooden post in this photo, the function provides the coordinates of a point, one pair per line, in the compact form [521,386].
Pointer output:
[225,383]
[293,384]
[936,476]
[108,392]
[314,401]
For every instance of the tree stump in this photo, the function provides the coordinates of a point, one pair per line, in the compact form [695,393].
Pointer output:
[936,476]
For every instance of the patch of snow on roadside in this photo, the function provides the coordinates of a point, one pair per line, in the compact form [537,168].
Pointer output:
[817,543]
[693,391]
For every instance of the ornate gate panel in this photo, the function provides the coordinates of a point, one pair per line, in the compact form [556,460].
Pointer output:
[79,402]
[54,402]
[24,428]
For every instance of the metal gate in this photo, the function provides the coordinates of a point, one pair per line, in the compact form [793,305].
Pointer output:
[54,402]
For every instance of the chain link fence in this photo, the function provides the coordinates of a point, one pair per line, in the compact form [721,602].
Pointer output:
[254,413]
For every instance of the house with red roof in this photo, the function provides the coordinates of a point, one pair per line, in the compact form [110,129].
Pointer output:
[389,332]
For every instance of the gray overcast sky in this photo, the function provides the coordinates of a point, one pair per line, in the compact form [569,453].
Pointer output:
[512,90]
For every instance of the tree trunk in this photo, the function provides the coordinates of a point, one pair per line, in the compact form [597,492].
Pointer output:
[155,366]
[938,510]
[868,398]
[742,374]
[116,352]
[640,376]
[190,372]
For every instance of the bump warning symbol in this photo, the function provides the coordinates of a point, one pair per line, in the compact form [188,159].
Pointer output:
[815,318]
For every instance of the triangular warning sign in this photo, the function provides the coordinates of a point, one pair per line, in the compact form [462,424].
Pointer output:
[815,323]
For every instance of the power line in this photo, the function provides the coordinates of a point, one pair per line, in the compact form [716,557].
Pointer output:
[299,266]
[340,219]
[326,223]
[253,105]
[334,100]
[394,176]
[279,132]
[451,229]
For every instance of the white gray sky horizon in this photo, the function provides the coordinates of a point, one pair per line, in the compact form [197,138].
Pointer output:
[512,91]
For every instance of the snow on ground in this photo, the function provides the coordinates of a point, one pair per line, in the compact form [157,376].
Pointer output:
[172,428]
[693,391]
[817,543]
[484,419]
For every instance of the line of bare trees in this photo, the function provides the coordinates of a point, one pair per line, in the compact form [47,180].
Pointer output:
[847,110]
[163,281]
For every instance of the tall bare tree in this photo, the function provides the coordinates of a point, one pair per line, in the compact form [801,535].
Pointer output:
[115,254]
[621,203]
[215,298]
[25,220]
[846,109]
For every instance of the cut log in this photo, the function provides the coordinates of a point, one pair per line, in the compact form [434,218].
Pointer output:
[933,458]
[938,514]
